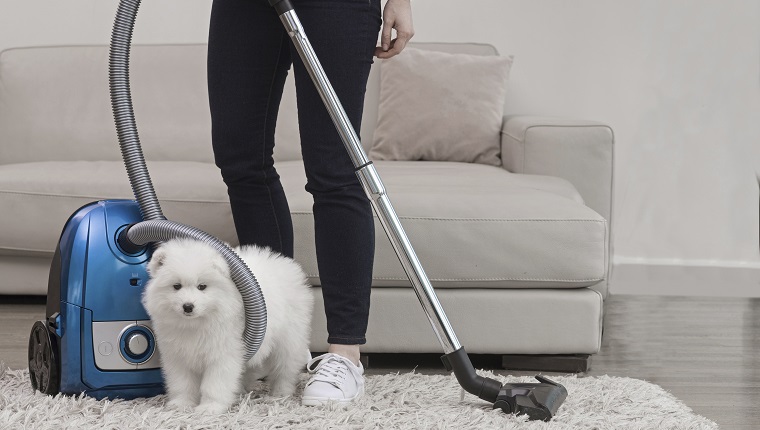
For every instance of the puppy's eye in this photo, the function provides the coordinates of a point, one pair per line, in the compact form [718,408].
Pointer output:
[201,287]
[177,286]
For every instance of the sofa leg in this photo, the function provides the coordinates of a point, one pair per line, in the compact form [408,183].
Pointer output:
[573,363]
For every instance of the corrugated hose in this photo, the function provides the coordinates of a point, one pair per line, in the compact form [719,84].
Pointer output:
[155,227]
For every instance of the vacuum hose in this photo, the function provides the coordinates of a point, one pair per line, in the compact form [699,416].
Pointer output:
[155,227]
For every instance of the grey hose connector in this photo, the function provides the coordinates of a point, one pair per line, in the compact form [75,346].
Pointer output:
[156,228]
[253,303]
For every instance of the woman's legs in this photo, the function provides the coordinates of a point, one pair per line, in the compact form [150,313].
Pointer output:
[248,60]
[249,55]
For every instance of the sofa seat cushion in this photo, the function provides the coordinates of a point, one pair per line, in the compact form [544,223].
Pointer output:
[38,198]
[472,226]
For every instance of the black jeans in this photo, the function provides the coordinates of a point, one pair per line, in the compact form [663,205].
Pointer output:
[249,54]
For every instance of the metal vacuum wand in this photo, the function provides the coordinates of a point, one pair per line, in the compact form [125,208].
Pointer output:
[538,401]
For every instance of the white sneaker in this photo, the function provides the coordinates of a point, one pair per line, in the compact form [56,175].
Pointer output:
[334,378]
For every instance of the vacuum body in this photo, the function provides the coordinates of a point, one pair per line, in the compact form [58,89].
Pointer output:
[96,337]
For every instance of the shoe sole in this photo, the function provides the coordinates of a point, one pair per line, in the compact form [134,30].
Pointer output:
[321,401]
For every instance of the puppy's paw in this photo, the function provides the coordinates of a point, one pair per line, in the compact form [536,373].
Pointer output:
[181,403]
[212,408]
[282,389]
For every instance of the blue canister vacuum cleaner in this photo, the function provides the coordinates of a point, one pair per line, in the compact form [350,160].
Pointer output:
[97,338]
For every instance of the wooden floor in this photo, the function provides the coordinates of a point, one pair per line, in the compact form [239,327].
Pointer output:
[705,351]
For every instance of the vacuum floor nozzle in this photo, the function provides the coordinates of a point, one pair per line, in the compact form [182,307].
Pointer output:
[539,401]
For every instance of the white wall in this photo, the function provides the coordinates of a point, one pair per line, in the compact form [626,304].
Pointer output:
[678,80]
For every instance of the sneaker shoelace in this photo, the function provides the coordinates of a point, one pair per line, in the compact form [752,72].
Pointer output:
[332,370]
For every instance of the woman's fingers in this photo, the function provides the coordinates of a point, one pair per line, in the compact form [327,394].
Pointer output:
[397,15]
[396,46]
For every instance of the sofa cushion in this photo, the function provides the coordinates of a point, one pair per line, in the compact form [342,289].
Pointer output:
[288,145]
[487,321]
[474,226]
[38,198]
[55,103]
[440,106]
[471,225]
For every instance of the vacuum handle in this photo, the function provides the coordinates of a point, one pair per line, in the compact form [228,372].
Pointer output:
[281,6]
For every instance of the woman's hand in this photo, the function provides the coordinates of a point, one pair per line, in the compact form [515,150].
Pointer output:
[397,15]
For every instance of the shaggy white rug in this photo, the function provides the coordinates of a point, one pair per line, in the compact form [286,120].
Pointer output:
[406,401]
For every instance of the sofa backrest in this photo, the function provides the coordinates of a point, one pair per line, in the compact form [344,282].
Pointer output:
[55,103]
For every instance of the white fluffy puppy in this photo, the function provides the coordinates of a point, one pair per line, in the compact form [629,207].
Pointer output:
[198,317]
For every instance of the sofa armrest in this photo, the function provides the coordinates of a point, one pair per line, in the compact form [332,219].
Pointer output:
[576,150]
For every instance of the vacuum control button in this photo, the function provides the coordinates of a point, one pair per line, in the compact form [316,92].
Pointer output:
[137,344]
[105,348]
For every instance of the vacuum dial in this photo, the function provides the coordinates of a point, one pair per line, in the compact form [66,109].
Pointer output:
[137,344]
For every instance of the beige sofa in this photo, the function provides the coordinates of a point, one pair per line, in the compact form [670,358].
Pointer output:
[519,254]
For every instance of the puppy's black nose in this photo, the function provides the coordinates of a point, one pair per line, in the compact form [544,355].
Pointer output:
[188,307]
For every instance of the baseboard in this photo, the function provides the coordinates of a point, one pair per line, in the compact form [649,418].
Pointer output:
[685,278]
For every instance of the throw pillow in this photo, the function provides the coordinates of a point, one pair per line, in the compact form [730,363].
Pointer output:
[439,106]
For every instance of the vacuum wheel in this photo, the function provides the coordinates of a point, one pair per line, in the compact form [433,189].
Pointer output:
[43,365]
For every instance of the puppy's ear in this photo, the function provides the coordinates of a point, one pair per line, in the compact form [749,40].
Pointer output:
[220,264]
[156,261]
